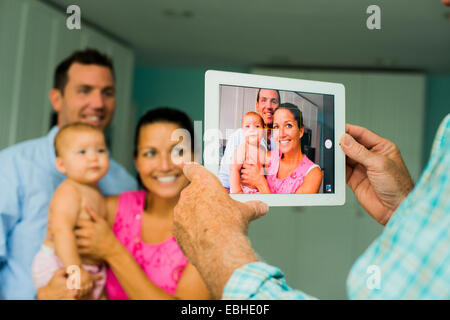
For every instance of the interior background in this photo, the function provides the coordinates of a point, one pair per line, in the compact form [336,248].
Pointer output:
[397,84]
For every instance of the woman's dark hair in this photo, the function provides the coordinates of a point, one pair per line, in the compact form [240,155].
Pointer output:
[168,115]
[294,110]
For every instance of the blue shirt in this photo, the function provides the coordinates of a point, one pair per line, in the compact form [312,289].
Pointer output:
[236,139]
[409,260]
[28,178]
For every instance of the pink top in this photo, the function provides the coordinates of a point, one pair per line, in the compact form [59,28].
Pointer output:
[291,183]
[163,263]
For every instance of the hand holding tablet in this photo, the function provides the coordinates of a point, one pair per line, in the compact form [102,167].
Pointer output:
[275,138]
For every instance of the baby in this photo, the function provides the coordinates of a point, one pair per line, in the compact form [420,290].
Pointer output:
[249,152]
[81,155]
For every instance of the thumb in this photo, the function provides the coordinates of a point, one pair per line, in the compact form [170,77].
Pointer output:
[93,215]
[357,151]
[193,169]
[254,209]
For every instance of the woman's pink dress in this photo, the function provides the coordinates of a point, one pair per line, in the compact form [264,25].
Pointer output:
[163,263]
[294,181]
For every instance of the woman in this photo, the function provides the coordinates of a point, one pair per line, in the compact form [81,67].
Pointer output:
[144,258]
[289,170]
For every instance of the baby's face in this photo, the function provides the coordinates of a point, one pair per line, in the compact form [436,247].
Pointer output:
[253,129]
[84,156]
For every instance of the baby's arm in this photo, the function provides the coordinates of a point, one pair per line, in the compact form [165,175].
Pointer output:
[264,156]
[64,208]
[235,169]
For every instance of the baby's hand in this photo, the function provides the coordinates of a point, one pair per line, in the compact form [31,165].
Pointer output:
[86,284]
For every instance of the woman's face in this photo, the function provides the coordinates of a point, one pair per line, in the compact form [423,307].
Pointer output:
[156,154]
[286,132]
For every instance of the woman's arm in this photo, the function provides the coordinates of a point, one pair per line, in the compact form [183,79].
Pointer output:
[191,285]
[132,278]
[111,209]
[312,182]
[262,185]
[97,239]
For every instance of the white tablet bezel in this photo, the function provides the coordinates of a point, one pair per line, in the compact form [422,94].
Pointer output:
[213,80]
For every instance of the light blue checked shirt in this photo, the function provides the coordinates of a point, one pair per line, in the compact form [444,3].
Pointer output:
[28,178]
[409,260]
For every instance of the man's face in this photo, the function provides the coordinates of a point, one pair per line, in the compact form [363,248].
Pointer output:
[268,101]
[89,96]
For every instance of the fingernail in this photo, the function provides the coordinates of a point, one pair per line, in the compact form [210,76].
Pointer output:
[348,140]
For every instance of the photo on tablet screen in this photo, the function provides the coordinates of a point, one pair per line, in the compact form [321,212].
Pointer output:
[275,139]
[287,135]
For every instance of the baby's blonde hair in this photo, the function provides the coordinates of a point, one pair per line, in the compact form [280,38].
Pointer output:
[72,127]
[255,114]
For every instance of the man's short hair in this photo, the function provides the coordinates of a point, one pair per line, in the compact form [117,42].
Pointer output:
[88,57]
[77,126]
[278,94]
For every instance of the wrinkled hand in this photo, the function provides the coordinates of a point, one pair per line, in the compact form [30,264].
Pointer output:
[57,288]
[94,238]
[375,171]
[207,222]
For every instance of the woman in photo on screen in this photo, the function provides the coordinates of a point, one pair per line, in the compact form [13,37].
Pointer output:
[289,170]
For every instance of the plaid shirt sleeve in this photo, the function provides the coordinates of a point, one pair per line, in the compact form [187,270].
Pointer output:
[411,258]
[260,281]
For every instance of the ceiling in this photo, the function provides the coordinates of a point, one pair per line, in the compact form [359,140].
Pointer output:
[414,35]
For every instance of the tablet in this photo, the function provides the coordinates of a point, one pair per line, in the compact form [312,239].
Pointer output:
[275,139]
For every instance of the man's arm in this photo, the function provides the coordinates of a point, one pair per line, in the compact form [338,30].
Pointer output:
[260,281]
[213,236]
[216,245]
[10,196]
[57,288]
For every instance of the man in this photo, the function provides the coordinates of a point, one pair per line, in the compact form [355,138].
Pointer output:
[412,253]
[267,100]
[83,91]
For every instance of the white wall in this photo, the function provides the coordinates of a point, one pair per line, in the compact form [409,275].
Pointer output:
[33,40]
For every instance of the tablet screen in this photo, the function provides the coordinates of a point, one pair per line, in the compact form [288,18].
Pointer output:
[286,136]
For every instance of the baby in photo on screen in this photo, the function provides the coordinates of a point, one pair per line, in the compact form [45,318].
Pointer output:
[81,155]
[250,152]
